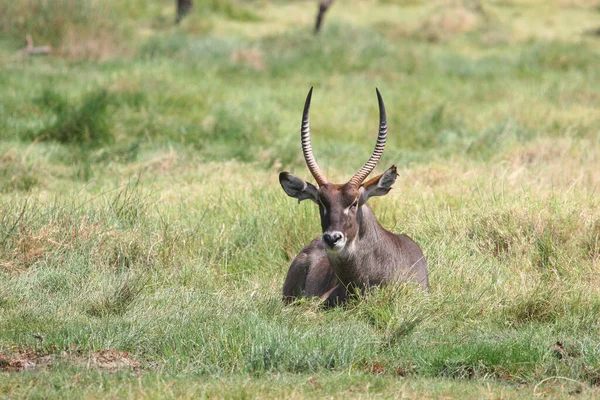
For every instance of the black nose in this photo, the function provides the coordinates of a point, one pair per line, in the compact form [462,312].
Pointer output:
[331,239]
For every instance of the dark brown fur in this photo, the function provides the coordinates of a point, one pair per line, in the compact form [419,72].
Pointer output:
[372,255]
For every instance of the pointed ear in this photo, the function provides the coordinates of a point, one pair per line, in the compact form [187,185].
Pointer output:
[297,188]
[378,186]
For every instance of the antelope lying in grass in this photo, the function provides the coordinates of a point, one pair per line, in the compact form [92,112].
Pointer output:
[355,251]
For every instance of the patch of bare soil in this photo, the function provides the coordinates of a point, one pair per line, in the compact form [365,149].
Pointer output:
[448,20]
[18,359]
[112,360]
[252,58]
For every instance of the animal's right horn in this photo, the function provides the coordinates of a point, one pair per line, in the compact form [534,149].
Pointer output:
[360,176]
[312,165]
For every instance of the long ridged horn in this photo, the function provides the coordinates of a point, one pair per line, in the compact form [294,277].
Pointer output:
[312,165]
[378,151]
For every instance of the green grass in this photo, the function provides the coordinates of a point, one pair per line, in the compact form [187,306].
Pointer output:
[140,211]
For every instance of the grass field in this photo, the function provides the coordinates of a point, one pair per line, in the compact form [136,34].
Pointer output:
[144,237]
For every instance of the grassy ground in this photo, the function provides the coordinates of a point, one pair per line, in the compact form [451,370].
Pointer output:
[144,238]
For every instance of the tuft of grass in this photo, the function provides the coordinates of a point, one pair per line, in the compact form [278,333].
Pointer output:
[16,174]
[128,204]
[87,124]
[116,297]
[234,131]
[535,305]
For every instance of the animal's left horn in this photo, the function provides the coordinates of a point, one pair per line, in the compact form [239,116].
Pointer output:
[312,165]
[378,151]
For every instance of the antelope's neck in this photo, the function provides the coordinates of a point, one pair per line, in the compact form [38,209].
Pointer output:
[355,264]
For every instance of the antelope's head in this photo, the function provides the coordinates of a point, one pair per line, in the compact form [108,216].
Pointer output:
[340,204]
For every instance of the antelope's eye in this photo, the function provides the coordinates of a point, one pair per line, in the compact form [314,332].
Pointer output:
[353,205]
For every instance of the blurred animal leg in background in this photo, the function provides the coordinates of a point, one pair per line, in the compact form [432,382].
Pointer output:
[323,6]
[183,8]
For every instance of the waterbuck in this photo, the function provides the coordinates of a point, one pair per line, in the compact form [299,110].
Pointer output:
[355,251]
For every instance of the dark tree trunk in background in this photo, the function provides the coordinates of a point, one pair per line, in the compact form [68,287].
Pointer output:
[183,7]
[323,6]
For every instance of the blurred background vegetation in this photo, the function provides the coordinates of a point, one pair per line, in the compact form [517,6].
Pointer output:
[226,80]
